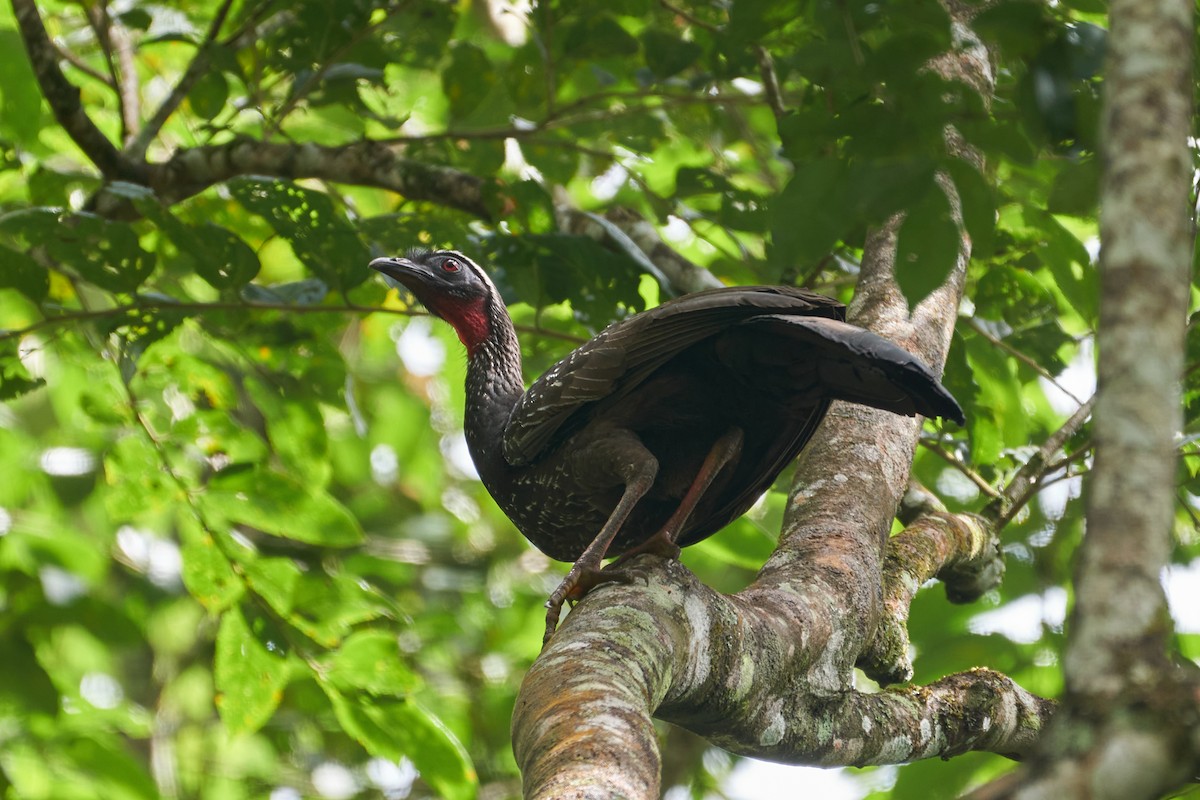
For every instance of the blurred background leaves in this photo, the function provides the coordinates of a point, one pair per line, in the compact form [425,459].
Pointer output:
[242,551]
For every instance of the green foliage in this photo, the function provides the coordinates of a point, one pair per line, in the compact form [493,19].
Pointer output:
[235,519]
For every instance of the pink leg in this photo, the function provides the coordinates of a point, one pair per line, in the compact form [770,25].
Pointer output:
[585,573]
[725,451]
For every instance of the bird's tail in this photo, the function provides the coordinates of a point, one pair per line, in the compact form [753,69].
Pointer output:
[857,366]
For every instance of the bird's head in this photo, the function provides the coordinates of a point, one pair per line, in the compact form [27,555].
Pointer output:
[450,285]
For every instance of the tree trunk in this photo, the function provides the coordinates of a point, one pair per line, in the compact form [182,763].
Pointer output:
[1129,725]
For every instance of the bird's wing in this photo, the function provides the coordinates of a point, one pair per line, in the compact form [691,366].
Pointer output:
[623,355]
[848,363]
[805,363]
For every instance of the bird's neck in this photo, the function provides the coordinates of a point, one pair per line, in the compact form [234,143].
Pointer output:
[494,384]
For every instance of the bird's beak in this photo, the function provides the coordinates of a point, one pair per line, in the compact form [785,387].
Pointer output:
[398,268]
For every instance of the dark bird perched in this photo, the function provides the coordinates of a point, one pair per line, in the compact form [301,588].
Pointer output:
[665,426]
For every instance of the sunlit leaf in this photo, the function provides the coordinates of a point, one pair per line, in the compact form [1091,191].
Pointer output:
[370,661]
[206,571]
[307,219]
[280,506]
[396,729]
[250,670]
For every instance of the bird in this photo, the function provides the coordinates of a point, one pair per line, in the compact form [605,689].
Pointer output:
[665,426]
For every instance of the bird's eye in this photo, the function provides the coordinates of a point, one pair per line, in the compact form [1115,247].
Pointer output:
[450,265]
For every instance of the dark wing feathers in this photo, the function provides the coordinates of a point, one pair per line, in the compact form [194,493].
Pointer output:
[858,366]
[853,364]
[626,353]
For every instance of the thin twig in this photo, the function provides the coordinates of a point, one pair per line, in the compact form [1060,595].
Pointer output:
[978,327]
[1027,481]
[137,147]
[691,18]
[71,318]
[766,69]
[128,89]
[71,57]
[954,461]
[97,17]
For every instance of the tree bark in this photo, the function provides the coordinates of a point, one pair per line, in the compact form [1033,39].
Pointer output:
[1129,727]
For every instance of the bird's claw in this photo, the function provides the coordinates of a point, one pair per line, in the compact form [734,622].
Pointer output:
[578,582]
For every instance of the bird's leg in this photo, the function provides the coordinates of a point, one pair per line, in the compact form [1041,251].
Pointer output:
[664,543]
[585,573]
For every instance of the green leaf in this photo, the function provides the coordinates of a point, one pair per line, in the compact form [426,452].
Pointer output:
[19,271]
[667,54]
[141,327]
[597,36]
[1076,189]
[810,213]
[250,671]
[113,771]
[1067,260]
[218,255]
[20,100]
[209,94]
[281,506]
[103,252]
[468,82]
[1007,424]
[928,246]
[396,729]
[320,237]
[749,22]
[1019,27]
[295,428]
[370,661]
[15,380]
[137,18]
[328,607]
[207,573]
[274,580]
[883,187]
[25,688]
[532,209]
[978,200]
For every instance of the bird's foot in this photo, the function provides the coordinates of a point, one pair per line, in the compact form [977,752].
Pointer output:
[580,580]
[660,544]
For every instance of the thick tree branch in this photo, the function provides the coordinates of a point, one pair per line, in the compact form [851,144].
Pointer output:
[366,163]
[1144,261]
[63,97]
[961,550]
[756,679]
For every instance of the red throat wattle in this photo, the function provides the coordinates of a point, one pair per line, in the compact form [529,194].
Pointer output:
[469,318]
